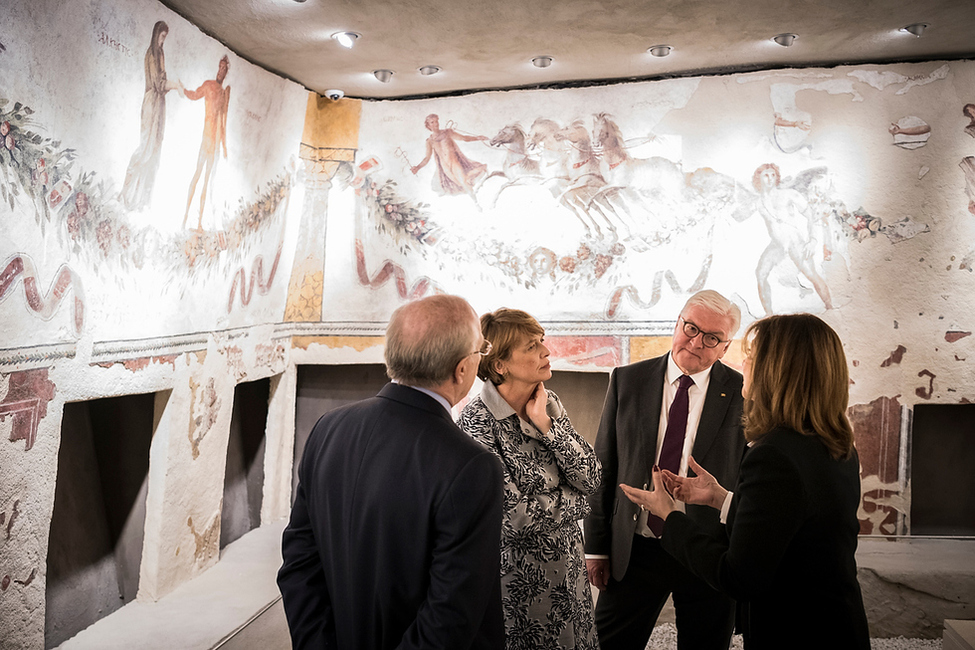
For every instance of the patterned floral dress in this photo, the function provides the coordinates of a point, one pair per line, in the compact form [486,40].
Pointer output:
[545,593]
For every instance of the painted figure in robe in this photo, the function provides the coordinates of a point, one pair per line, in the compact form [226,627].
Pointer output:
[140,177]
[456,173]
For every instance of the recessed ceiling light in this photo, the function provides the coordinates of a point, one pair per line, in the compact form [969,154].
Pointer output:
[916,28]
[428,70]
[659,50]
[346,39]
[383,75]
[785,40]
[542,61]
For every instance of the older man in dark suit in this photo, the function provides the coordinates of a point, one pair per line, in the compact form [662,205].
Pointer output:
[394,533]
[661,412]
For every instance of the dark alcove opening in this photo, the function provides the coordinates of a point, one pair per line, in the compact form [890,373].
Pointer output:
[243,485]
[323,388]
[98,524]
[942,480]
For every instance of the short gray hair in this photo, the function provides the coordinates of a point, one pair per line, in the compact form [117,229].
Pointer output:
[427,338]
[715,302]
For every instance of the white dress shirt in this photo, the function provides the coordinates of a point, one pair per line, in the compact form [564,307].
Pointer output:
[695,405]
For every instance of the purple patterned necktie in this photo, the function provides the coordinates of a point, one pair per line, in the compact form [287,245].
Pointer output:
[673,446]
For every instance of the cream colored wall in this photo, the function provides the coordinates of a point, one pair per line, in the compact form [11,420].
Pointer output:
[873,227]
[100,298]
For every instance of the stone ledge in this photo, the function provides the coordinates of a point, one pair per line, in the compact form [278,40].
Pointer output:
[911,586]
[201,613]
[959,635]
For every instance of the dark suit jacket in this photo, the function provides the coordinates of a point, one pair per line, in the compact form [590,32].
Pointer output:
[394,533]
[627,446]
[787,554]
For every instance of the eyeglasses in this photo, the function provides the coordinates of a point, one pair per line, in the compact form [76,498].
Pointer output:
[709,339]
[484,350]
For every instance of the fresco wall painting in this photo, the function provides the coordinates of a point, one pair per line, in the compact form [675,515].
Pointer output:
[145,209]
[602,210]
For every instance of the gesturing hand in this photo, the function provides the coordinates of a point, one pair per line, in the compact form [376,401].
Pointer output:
[658,502]
[702,489]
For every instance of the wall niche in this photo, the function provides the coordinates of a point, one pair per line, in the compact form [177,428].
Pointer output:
[942,480]
[98,524]
[322,388]
[243,487]
[582,394]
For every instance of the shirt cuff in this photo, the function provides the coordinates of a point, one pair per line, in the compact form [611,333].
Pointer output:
[726,506]
[591,556]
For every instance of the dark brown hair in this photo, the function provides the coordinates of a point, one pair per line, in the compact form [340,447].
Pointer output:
[799,379]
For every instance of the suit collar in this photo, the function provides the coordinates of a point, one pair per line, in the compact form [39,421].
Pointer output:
[716,403]
[717,400]
[412,396]
[653,390]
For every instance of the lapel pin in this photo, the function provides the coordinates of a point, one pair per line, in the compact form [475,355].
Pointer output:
[722,394]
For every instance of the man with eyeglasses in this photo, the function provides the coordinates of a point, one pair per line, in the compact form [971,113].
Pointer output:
[659,413]
[394,532]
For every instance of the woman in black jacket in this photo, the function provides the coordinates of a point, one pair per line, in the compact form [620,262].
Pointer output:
[787,550]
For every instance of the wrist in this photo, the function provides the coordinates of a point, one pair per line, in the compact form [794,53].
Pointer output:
[719,496]
[543,426]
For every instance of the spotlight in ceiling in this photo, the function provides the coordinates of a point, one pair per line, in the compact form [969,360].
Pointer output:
[383,75]
[346,39]
[428,70]
[916,28]
[785,40]
[542,61]
[660,50]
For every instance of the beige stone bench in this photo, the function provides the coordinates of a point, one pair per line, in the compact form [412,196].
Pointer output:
[959,635]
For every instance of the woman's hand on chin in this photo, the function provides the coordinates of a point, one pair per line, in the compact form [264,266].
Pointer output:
[536,409]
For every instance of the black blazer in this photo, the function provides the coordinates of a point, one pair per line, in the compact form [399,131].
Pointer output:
[627,446]
[394,533]
[787,554]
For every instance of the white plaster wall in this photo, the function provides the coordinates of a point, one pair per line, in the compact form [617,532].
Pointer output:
[905,278]
[79,67]
[871,215]
[100,299]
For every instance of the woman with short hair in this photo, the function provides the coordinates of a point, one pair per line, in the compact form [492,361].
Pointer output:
[787,552]
[549,470]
